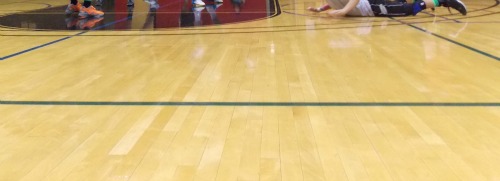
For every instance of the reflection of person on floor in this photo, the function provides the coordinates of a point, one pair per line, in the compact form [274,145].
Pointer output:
[197,3]
[71,22]
[186,18]
[74,23]
[99,2]
[130,12]
[151,18]
[211,11]
[454,35]
[153,5]
[193,16]
[89,23]
[385,7]
[197,15]
[237,4]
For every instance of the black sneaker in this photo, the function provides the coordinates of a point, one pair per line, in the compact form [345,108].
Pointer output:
[455,4]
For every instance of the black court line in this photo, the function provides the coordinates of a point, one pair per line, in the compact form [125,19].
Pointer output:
[450,40]
[489,11]
[264,104]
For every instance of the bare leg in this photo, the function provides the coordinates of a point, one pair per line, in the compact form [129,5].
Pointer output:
[429,3]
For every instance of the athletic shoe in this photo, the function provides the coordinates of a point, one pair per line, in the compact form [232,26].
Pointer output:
[198,3]
[455,4]
[90,11]
[73,8]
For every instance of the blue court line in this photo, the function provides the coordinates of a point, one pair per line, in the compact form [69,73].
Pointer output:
[38,47]
[266,104]
[450,40]
[62,39]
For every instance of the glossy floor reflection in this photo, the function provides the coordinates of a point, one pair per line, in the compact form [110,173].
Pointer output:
[150,14]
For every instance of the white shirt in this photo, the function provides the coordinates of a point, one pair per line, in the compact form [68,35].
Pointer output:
[363,8]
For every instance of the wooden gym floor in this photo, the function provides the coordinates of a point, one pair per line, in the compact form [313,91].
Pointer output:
[296,96]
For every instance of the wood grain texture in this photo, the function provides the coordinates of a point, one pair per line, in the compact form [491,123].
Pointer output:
[294,57]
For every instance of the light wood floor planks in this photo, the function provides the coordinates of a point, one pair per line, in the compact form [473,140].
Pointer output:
[409,98]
